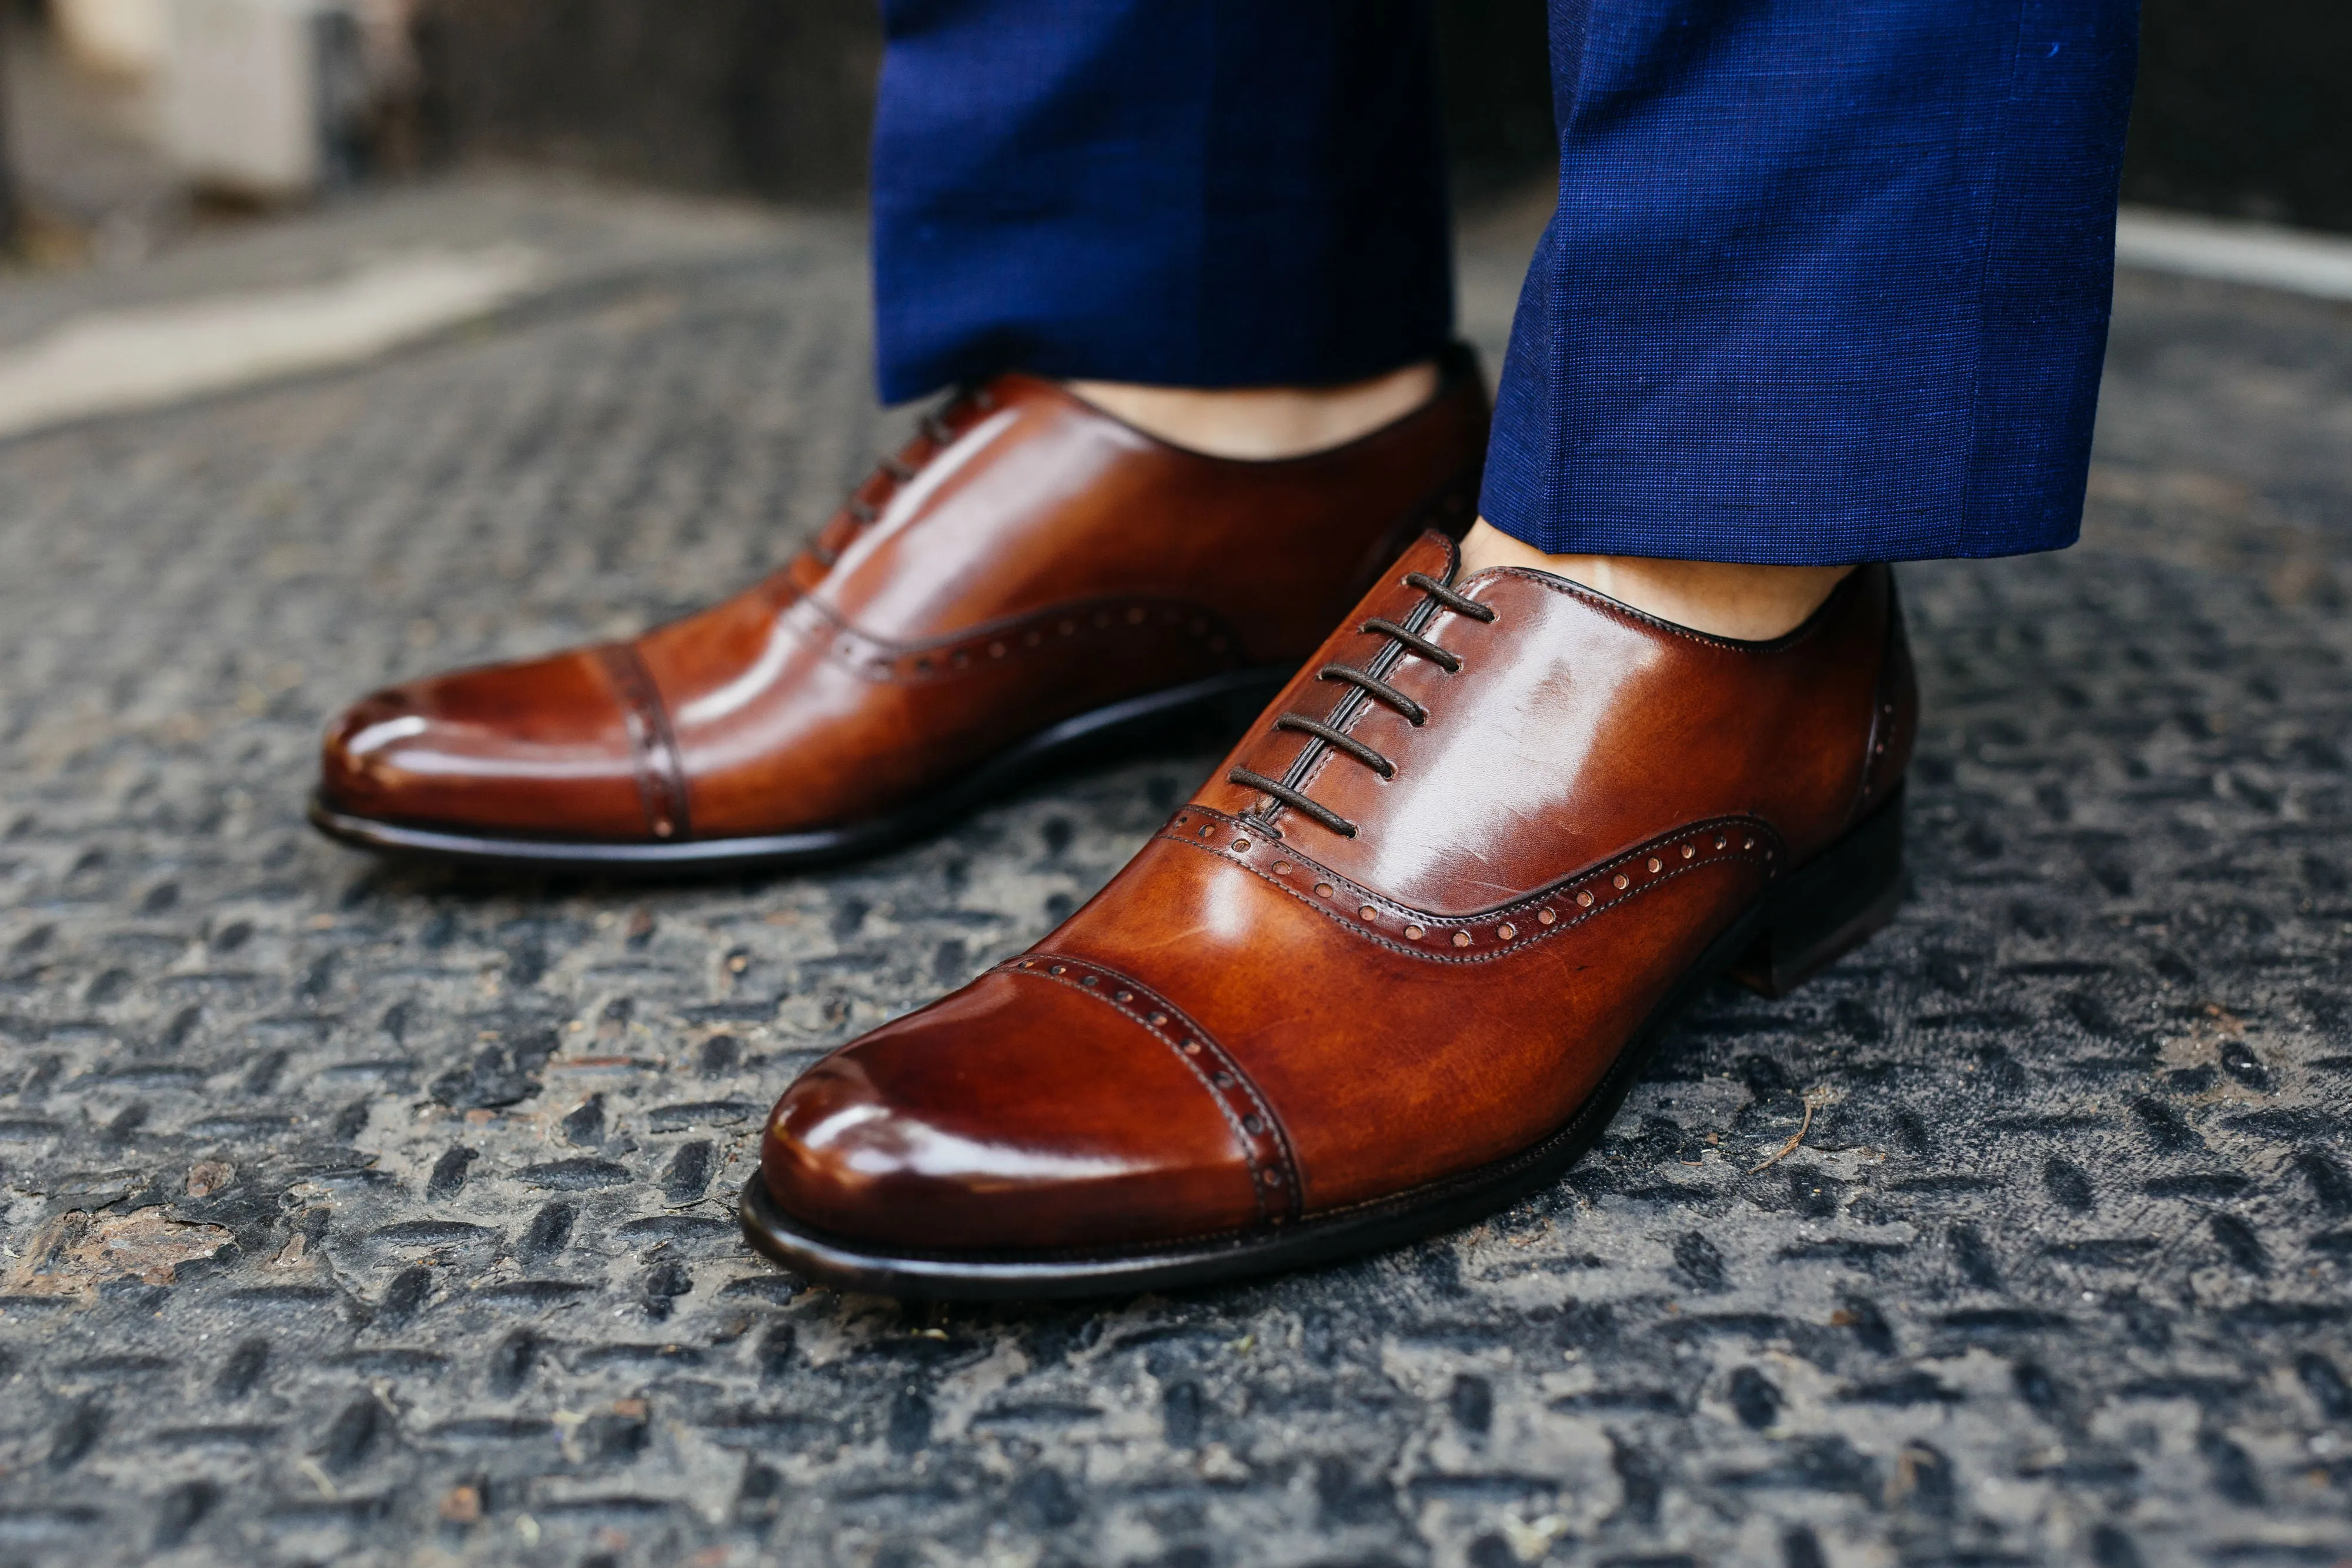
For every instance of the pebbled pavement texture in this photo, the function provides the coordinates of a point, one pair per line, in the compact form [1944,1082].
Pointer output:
[361,1214]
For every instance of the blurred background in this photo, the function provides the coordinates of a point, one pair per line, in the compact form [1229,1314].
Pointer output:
[130,122]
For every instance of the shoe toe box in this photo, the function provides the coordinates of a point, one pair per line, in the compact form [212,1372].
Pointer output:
[1015,1115]
[541,747]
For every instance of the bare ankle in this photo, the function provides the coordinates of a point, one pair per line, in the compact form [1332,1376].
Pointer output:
[1723,599]
[1265,422]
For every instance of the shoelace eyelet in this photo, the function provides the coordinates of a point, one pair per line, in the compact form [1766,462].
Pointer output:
[1275,792]
[936,427]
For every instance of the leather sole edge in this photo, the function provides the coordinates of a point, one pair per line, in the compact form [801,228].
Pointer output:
[1389,1222]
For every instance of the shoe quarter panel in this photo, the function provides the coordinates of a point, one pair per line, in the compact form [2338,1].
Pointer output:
[1047,502]
[823,726]
[786,717]
[1573,729]
[1519,773]
[1008,516]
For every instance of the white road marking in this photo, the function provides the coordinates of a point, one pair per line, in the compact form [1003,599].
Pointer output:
[2233,251]
[114,361]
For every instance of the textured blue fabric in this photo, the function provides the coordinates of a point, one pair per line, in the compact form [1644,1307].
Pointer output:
[1187,192]
[1828,280]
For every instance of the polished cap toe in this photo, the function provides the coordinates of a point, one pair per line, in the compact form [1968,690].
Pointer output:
[1019,1112]
[540,747]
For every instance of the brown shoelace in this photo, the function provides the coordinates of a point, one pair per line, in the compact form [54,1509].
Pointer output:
[1369,686]
[936,428]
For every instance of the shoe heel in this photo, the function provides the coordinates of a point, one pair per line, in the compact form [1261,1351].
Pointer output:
[1829,907]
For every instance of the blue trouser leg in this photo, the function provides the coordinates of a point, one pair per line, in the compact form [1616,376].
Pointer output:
[1186,192]
[1828,280]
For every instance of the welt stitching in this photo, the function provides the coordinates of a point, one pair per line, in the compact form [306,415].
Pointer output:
[1565,922]
[1276,1131]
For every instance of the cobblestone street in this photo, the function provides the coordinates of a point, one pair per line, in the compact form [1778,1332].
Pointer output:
[363,1214]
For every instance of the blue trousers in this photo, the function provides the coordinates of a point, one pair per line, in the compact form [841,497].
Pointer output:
[1828,280]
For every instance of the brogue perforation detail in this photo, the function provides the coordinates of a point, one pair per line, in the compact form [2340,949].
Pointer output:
[1490,933]
[660,770]
[1062,628]
[1275,1181]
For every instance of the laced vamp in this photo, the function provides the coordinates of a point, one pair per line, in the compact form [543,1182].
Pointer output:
[893,472]
[1405,639]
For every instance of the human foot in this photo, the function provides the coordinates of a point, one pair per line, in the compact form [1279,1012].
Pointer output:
[1747,603]
[1029,576]
[1260,424]
[1391,969]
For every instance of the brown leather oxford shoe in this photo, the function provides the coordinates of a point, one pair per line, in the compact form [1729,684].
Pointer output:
[1392,968]
[1029,577]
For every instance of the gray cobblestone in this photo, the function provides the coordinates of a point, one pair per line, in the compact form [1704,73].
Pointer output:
[363,1214]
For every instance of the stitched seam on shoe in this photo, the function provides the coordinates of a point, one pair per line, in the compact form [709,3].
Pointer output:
[1040,966]
[660,770]
[936,659]
[1525,909]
